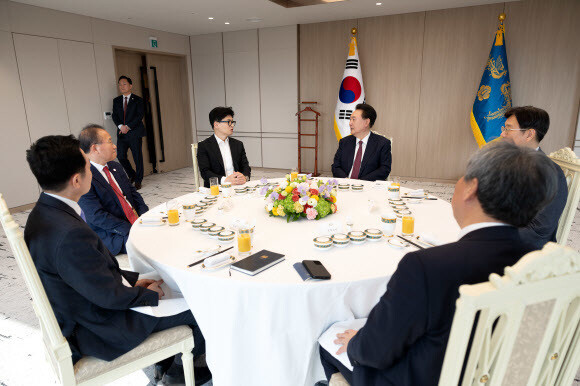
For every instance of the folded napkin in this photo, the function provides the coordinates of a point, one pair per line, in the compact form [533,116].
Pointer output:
[152,218]
[204,190]
[429,238]
[417,192]
[215,260]
[326,340]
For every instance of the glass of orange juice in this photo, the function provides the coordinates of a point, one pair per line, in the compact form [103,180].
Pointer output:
[244,236]
[408,225]
[214,186]
[293,174]
[173,212]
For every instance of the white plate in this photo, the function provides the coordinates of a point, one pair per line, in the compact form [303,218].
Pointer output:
[152,224]
[398,244]
[230,261]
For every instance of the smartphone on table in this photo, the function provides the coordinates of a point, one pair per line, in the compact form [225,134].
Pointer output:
[316,269]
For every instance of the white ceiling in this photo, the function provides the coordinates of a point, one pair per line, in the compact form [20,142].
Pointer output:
[190,17]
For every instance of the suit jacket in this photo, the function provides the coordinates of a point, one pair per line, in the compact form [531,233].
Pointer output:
[103,210]
[405,337]
[376,162]
[133,116]
[544,226]
[84,283]
[211,163]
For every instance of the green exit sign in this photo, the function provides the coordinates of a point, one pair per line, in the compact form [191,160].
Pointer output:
[153,42]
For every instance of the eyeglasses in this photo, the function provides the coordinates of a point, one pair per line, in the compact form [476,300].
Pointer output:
[230,123]
[503,129]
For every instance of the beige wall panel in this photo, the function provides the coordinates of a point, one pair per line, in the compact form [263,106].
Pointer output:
[79,75]
[31,20]
[124,35]
[207,61]
[456,47]
[107,81]
[17,183]
[279,79]
[390,54]
[242,78]
[543,46]
[41,80]
[323,52]
[253,147]
[279,153]
[4,16]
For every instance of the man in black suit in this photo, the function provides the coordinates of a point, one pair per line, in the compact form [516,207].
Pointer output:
[404,339]
[526,126]
[220,155]
[128,111]
[113,204]
[363,155]
[90,295]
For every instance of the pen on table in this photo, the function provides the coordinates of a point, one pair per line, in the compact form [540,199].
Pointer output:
[201,260]
[410,242]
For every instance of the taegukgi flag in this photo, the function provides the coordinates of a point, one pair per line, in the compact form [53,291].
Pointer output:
[494,96]
[351,92]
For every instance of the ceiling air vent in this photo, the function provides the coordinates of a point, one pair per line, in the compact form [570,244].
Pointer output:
[302,3]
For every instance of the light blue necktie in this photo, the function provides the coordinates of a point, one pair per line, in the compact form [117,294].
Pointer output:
[83,216]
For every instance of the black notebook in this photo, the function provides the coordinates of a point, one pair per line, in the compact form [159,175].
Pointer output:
[258,262]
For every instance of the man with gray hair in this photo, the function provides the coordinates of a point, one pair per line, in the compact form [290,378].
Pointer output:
[404,339]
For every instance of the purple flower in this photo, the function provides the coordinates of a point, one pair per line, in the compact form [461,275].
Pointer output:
[321,188]
[264,190]
[274,195]
[264,181]
[309,175]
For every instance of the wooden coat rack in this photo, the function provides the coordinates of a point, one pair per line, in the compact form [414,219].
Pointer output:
[308,109]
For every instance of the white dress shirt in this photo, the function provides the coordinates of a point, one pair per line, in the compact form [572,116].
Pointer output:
[479,225]
[123,105]
[365,140]
[101,170]
[67,201]
[226,156]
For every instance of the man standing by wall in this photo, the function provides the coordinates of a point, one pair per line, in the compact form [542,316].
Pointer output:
[128,111]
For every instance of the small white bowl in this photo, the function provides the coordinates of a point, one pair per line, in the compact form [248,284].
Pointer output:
[340,240]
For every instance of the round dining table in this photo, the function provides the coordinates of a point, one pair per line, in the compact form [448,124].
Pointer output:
[263,329]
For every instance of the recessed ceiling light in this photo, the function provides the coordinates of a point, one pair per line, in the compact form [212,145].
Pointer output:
[254,19]
[210,18]
[379,3]
[227,22]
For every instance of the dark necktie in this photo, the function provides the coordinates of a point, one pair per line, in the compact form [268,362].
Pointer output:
[129,212]
[357,161]
[124,109]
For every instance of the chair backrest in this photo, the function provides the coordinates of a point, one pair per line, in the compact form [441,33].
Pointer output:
[389,138]
[195,166]
[56,345]
[570,164]
[526,331]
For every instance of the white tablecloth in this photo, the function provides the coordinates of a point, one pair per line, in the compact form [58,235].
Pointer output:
[263,330]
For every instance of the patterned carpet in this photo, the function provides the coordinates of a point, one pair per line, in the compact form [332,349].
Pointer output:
[21,353]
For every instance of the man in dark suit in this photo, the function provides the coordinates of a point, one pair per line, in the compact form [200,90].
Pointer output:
[526,127]
[128,111]
[363,155]
[113,204]
[89,294]
[220,155]
[404,339]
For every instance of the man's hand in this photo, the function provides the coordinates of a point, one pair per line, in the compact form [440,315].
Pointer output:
[155,287]
[231,179]
[144,283]
[239,178]
[343,340]
[124,129]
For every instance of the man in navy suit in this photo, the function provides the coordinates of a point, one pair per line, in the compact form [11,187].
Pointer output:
[128,111]
[404,339]
[220,155]
[363,155]
[113,204]
[90,295]
[526,126]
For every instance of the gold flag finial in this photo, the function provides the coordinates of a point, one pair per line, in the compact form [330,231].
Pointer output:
[501,17]
[353,31]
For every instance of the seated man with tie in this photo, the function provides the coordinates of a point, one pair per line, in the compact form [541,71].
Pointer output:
[220,155]
[405,336]
[526,126]
[92,298]
[113,204]
[363,155]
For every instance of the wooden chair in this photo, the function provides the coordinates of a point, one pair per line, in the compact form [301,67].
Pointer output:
[195,166]
[527,331]
[89,370]
[390,139]
[570,164]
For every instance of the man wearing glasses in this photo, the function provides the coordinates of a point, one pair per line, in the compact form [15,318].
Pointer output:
[221,156]
[526,127]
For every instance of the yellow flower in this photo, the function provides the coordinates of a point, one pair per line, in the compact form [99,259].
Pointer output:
[315,197]
[298,207]
[277,190]
[274,211]
[289,189]
[280,210]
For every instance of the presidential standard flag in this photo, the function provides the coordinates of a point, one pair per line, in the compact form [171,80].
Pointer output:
[351,92]
[494,95]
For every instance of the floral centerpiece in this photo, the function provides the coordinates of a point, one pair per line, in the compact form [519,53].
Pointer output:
[301,197]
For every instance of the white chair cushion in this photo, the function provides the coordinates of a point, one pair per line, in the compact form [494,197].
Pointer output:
[90,367]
